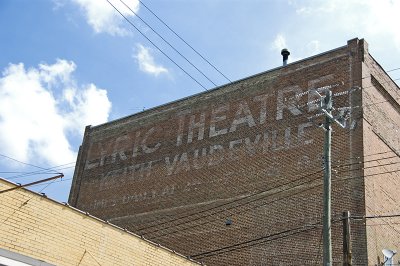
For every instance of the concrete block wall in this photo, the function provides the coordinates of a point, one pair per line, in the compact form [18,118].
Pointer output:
[45,230]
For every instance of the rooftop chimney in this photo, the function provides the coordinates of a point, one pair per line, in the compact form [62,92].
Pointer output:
[285,54]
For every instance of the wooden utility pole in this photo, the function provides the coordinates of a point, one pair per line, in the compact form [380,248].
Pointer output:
[326,106]
[327,255]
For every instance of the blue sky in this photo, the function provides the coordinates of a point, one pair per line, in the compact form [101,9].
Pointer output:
[66,64]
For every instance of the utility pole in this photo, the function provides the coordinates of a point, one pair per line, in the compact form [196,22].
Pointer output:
[326,106]
[327,255]
[346,239]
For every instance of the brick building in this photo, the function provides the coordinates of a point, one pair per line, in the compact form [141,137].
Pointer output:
[38,231]
[233,176]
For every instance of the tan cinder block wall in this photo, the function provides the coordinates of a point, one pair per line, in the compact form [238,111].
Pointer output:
[382,160]
[43,229]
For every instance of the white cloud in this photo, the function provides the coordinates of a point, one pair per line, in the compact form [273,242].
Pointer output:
[88,106]
[279,42]
[35,123]
[329,24]
[104,18]
[313,47]
[384,19]
[146,61]
[374,19]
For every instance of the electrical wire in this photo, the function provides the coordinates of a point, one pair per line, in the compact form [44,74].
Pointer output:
[379,165]
[347,165]
[45,171]
[258,191]
[10,158]
[393,69]
[267,238]
[364,176]
[42,171]
[158,48]
[258,206]
[249,208]
[217,212]
[190,46]
[385,224]
[363,162]
[244,198]
[374,216]
[169,44]
[223,205]
[237,246]
[248,196]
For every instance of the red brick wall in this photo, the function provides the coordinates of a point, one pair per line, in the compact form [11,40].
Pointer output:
[246,152]
[381,99]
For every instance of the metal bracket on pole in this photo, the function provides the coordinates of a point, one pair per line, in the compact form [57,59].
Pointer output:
[323,107]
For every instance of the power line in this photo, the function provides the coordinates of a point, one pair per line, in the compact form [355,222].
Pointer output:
[364,176]
[182,217]
[257,192]
[46,171]
[254,194]
[244,198]
[364,156]
[39,172]
[363,162]
[298,96]
[368,167]
[169,221]
[232,207]
[158,48]
[357,107]
[221,205]
[393,69]
[275,200]
[268,202]
[169,44]
[375,216]
[42,171]
[10,158]
[385,224]
[266,238]
[251,208]
[190,46]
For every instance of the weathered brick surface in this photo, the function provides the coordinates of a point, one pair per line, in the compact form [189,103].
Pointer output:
[245,152]
[381,135]
[45,230]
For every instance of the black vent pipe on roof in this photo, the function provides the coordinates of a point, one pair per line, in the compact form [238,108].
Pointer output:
[285,54]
